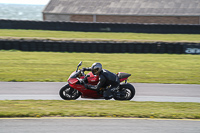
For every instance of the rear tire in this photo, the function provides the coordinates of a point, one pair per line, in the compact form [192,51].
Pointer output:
[126,92]
[69,93]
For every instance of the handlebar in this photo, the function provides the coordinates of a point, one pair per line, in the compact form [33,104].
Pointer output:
[82,73]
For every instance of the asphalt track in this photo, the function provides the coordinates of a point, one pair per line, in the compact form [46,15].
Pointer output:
[97,125]
[144,91]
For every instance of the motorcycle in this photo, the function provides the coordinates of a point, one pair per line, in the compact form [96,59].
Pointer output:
[75,87]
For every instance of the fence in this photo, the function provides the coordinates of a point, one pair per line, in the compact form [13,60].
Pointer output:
[100,27]
[101,47]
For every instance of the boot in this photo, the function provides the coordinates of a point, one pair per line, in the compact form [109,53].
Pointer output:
[108,94]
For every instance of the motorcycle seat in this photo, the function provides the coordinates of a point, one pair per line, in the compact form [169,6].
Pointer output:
[122,75]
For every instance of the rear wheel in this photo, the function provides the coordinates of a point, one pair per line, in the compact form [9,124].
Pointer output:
[126,92]
[68,93]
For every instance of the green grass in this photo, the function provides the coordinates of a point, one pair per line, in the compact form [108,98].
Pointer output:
[56,66]
[66,35]
[43,108]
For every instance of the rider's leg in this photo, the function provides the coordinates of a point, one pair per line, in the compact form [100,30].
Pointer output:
[108,94]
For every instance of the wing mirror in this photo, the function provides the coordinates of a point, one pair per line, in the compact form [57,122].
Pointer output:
[80,63]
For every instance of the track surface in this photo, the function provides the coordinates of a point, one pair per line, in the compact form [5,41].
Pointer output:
[144,91]
[87,125]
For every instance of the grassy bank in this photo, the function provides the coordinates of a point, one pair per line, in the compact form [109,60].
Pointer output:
[56,67]
[66,35]
[38,108]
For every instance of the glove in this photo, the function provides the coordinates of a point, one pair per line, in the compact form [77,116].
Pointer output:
[83,69]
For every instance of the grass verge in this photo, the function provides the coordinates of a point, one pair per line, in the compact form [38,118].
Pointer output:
[58,108]
[70,35]
[56,67]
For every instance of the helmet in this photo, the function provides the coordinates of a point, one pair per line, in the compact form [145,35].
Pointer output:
[96,68]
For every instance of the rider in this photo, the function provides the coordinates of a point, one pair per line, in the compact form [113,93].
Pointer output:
[106,78]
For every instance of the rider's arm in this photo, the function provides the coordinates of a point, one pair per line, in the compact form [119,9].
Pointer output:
[101,83]
[87,69]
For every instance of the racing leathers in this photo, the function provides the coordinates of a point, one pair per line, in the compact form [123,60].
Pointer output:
[106,78]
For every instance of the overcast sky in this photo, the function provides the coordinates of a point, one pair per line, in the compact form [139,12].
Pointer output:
[35,2]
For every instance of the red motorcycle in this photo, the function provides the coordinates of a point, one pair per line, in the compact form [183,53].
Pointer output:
[75,87]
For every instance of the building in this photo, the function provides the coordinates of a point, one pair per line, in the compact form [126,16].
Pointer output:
[124,11]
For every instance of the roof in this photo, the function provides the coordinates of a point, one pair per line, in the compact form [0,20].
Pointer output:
[125,7]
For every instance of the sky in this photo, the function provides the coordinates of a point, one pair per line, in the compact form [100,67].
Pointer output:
[34,2]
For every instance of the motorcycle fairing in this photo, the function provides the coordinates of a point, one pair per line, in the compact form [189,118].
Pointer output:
[73,81]
[86,93]
[92,79]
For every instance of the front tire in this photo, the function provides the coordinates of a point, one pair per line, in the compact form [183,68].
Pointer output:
[69,93]
[126,92]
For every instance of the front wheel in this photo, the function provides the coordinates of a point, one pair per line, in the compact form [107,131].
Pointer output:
[68,93]
[126,92]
